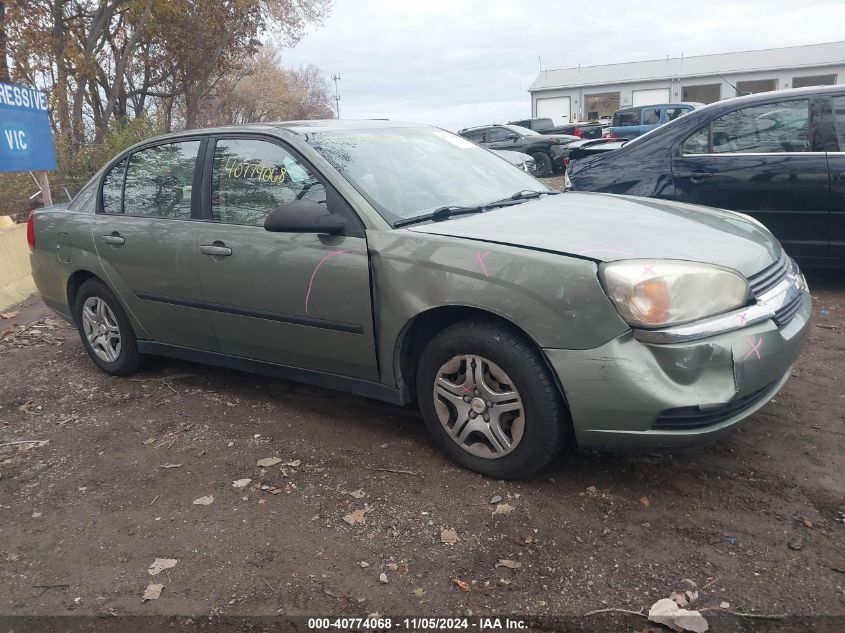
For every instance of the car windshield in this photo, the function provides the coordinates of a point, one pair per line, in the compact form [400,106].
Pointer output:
[409,172]
[522,131]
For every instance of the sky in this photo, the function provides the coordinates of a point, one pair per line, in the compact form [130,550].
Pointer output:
[464,62]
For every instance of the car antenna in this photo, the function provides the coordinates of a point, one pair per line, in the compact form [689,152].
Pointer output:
[736,90]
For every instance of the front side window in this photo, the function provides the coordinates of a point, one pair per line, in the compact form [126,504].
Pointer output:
[651,116]
[774,127]
[113,189]
[674,113]
[159,181]
[251,178]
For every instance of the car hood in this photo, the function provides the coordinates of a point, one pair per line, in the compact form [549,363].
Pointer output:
[605,227]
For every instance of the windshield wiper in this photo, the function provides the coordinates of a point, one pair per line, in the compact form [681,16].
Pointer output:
[525,194]
[442,213]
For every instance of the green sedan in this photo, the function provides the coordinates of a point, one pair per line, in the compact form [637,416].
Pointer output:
[404,263]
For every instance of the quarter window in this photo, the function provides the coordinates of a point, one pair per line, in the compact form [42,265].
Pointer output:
[697,143]
[113,189]
[774,127]
[251,178]
[159,181]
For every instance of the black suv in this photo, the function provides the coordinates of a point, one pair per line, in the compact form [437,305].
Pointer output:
[546,149]
[776,156]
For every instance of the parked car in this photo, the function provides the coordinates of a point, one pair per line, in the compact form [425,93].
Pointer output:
[518,159]
[778,157]
[404,263]
[547,126]
[545,149]
[590,147]
[633,122]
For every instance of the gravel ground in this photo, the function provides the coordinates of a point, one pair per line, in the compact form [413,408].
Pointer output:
[358,490]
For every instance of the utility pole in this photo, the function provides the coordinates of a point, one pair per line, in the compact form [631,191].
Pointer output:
[336,78]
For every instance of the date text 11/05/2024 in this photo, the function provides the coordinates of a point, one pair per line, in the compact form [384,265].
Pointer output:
[417,624]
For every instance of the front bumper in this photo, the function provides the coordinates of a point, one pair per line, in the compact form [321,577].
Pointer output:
[638,394]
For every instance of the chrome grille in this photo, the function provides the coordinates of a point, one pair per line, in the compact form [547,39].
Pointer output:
[770,276]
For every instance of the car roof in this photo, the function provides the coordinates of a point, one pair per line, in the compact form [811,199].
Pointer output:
[303,127]
[693,104]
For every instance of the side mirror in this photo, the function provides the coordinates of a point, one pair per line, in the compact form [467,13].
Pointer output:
[304,216]
[512,136]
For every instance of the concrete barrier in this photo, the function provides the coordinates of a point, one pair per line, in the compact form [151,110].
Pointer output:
[16,282]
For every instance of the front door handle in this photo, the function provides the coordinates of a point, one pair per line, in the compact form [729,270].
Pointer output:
[115,239]
[217,249]
[699,176]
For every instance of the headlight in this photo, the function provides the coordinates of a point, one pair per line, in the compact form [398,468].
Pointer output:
[659,292]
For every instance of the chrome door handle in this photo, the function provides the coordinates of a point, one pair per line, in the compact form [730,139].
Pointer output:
[217,249]
[114,239]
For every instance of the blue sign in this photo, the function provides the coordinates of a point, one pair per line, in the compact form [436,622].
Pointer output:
[26,142]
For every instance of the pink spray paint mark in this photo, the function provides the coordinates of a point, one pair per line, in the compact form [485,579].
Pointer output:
[605,250]
[323,261]
[479,259]
[467,389]
[648,270]
[754,347]
[743,317]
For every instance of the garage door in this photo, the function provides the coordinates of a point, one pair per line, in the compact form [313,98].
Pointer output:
[649,97]
[555,108]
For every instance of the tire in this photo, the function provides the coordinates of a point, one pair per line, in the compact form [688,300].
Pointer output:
[112,324]
[508,365]
[544,164]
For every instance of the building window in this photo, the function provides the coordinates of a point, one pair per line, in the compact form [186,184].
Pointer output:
[601,105]
[703,93]
[756,85]
[814,80]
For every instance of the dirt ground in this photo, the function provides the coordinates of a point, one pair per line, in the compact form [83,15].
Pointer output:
[755,520]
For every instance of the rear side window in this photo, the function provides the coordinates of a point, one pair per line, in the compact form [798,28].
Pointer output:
[774,127]
[839,120]
[476,136]
[497,134]
[159,181]
[651,116]
[251,178]
[623,119]
[113,189]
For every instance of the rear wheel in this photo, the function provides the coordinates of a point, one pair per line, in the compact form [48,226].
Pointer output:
[105,330]
[489,401]
[544,164]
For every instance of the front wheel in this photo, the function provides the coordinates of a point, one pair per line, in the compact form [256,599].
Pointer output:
[105,330]
[488,400]
[544,164]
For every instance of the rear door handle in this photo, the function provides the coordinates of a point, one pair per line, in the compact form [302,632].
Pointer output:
[217,249]
[699,176]
[115,239]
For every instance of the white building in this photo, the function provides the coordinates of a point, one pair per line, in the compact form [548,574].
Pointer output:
[589,92]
